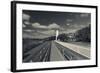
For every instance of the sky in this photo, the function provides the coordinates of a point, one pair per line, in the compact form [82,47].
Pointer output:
[46,22]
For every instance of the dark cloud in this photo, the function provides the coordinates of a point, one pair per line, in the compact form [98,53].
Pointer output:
[47,21]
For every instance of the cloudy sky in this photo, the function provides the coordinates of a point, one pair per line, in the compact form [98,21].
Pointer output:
[46,22]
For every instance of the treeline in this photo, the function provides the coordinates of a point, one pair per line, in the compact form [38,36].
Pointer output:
[83,34]
[63,37]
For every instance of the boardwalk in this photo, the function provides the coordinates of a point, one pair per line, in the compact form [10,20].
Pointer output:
[55,51]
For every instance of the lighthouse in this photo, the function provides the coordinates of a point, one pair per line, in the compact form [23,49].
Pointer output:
[57,33]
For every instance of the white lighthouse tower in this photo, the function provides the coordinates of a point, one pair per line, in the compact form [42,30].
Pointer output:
[57,33]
